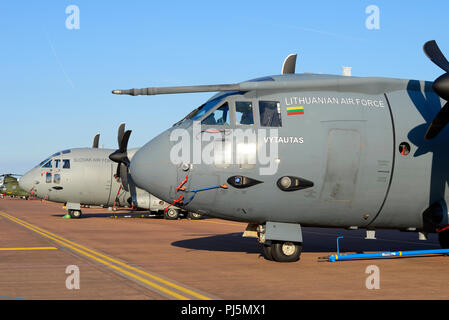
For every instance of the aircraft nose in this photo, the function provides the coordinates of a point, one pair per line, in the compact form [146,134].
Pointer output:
[152,170]
[26,181]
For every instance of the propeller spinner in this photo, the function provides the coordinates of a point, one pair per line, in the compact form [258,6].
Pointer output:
[440,86]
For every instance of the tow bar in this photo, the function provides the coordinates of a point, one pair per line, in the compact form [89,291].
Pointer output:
[388,254]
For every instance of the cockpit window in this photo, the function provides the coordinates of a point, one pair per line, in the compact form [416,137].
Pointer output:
[66,164]
[42,162]
[218,117]
[244,112]
[202,110]
[199,112]
[270,114]
[57,163]
[47,165]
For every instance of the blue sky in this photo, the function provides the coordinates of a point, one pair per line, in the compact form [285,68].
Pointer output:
[56,83]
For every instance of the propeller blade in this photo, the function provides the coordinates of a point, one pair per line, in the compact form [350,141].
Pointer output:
[438,123]
[96,141]
[124,176]
[121,132]
[117,171]
[123,146]
[434,53]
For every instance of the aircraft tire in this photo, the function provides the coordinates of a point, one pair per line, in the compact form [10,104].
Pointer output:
[267,252]
[171,214]
[194,216]
[75,214]
[286,251]
[443,237]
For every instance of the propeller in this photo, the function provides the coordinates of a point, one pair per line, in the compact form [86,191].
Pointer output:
[441,88]
[120,156]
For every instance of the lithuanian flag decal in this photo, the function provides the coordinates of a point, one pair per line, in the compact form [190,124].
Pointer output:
[295,110]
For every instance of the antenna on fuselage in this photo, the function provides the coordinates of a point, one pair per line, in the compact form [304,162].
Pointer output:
[96,141]
[347,71]
[289,65]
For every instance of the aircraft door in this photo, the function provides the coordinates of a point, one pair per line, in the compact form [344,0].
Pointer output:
[358,166]
[210,152]
[244,134]
[96,180]
[343,164]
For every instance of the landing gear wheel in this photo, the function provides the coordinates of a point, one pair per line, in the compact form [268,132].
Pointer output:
[171,214]
[267,252]
[194,216]
[75,214]
[443,237]
[286,251]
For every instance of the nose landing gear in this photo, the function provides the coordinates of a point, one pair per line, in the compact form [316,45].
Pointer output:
[73,210]
[171,214]
[282,251]
[282,242]
[75,214]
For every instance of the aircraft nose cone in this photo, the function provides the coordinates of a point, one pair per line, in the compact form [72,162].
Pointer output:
[26,181]
[152,170]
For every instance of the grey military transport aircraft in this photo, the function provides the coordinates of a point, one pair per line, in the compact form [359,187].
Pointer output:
[349,152]
[87,176]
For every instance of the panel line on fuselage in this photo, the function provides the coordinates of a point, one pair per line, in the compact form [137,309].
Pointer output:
[392,164]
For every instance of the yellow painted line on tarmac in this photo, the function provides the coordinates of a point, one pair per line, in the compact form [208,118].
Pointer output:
[84,251]
[30,248]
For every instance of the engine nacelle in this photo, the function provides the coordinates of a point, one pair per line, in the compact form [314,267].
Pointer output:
[145,200]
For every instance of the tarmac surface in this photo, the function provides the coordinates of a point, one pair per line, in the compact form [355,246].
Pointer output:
[153,258]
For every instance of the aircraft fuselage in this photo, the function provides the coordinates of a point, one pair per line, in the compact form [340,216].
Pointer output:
[363,150]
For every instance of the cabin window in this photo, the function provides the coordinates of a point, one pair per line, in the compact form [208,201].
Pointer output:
[270,114]
[57,178]
[244,112]
[66,164]
[47,165]
[218,117]
[48,177]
